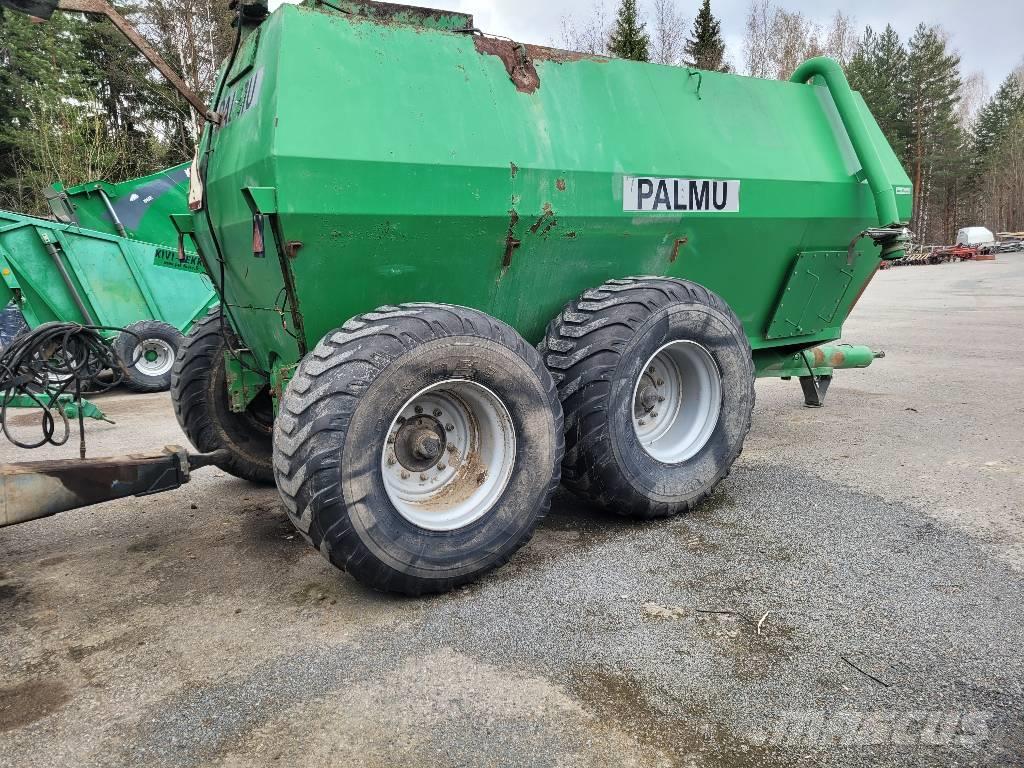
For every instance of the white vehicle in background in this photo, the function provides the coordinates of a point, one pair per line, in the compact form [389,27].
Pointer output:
[975,237]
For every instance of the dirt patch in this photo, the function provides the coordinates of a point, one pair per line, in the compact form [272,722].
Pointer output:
[78,653]
[149,543]
[685,734]
[24,704]
[11,595]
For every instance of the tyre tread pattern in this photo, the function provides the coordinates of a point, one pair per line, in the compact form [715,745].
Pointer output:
[189,394]
[582,349]
[323,396]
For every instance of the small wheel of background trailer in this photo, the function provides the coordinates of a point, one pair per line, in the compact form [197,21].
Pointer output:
[656,379]
[200,396]
[417,447]
[148,349]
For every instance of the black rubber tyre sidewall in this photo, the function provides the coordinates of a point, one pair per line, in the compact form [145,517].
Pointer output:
[455,556]
[135,334]
[650,480]
[200,397]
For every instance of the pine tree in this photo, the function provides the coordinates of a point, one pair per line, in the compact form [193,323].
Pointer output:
[936,142]
[879,70]
[42,68]
[996,117]
[997,158]
[629,38]
[705,48]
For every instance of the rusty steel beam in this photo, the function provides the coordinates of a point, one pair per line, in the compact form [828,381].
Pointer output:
[103,8]
[37,489]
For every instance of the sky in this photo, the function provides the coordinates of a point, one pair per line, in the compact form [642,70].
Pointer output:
[988,34]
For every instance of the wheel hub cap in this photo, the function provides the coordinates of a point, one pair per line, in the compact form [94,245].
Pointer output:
[677,401]
[449,455]
[152,357]
[418,443]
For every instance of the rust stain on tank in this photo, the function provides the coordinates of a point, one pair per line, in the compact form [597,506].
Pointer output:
[515,170]
[511,242]
[680,242]
[548,218]
[560,184]
[517,61]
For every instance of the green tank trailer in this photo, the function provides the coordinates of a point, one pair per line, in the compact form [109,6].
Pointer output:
[55,272]
[456,270]
[139,209]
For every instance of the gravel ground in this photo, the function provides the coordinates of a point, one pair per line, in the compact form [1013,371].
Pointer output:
[850,596]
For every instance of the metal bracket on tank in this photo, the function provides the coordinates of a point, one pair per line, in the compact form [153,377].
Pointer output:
[890,239]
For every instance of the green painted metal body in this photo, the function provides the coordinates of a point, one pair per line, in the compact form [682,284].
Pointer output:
[110,281]
[142,207]
[67,403]
[388,162]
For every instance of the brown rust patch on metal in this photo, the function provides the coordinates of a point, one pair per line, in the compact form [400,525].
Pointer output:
[33,490]
[548,217]
[511,241]
[834,360]
[515,170]
[395,13]
[570,235]
[517,61]
[560,185]
[560,56]
[680,242]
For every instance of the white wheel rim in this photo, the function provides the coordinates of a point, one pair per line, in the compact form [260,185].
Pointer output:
[449,455]
[153,357]
[677,400]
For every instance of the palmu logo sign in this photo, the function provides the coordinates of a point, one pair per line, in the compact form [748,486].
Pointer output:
[647,194]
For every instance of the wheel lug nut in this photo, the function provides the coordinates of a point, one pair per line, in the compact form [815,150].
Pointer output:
[642,422]
[449,427]
[437,413]
[418,409]
[391,461]
[423,476]
[659,382]
[405,475]
[451,447]
[441,467]
[661,398]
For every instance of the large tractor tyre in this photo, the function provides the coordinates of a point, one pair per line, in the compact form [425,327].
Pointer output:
[656,379]
[200,396]
[148,349]
[417,447]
